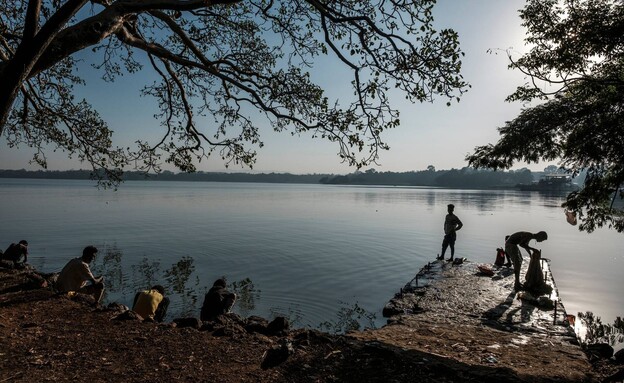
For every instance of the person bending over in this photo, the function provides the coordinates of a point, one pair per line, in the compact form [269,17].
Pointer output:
[17,253]
[512,248]
[151,304]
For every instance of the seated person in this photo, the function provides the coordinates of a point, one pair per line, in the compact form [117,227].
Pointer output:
[17,253]
[151,304]
[76,276]
[217,301]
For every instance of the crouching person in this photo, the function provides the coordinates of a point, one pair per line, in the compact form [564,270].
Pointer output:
[16,255]
[217,301]
[76,276]
[151,304]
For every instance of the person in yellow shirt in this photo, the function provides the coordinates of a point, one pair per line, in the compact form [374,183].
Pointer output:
[151,304]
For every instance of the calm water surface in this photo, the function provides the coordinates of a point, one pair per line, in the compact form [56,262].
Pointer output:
[303,251]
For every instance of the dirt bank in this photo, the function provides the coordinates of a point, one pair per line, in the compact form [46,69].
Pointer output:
[45,336]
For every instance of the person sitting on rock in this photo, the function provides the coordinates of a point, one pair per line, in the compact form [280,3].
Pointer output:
[16,254]
[76,276]
[217,301]
[151,304]
[512,248]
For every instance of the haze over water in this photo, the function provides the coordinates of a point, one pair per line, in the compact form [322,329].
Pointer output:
[308,250]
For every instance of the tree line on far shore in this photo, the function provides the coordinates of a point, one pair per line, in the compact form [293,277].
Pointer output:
[453,178]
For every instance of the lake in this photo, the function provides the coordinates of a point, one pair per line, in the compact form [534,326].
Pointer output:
[313,253]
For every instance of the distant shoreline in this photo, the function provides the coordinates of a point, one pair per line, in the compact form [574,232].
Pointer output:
[465,178]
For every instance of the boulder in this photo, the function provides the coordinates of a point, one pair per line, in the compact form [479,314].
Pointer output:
[278,326]
[256,324]
[600,350]
[188,322]
[128,315]
[277,355]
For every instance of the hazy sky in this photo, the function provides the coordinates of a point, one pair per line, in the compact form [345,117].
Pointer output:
[430,134]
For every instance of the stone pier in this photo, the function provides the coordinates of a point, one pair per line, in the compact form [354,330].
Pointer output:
[457,312]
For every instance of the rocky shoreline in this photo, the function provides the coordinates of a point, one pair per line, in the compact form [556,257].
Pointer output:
[455,325]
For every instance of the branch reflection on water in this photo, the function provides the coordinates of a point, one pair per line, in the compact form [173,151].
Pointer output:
[181,283]
[186,291]
[247,295]
[349,318]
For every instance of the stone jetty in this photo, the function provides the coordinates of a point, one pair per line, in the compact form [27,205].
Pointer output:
[458,312]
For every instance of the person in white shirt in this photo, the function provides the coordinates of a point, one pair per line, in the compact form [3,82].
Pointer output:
[76,276]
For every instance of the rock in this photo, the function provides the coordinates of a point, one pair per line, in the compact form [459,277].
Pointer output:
[545,303]
[617,377]
[255,324]
[278,326]
[128,315]
[115,306]
[619,356]
[391,309]
[188,322]
[207,326]
[275,356]
[229,330]
[600,350]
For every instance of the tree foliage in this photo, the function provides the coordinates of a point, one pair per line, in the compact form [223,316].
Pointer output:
[220,66]
[576,70]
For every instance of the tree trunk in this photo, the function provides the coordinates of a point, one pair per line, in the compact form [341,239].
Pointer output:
[11,80]
[19,67]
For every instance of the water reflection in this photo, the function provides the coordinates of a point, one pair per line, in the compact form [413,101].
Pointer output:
[177,280]
[349,318]
[145,274]
[247,295]
[181,283]
[178,277]
[109,266]
[481,200]
[185,288]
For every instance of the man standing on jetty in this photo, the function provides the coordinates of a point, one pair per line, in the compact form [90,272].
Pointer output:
[512,248]
[452,224]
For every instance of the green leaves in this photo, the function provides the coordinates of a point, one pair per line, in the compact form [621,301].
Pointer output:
[577,67]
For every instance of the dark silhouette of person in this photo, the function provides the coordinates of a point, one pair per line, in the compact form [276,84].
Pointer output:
[217,301]
[151,304]
[509,263]
[452,224]
[76,276]
[512,248]
[17,253]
